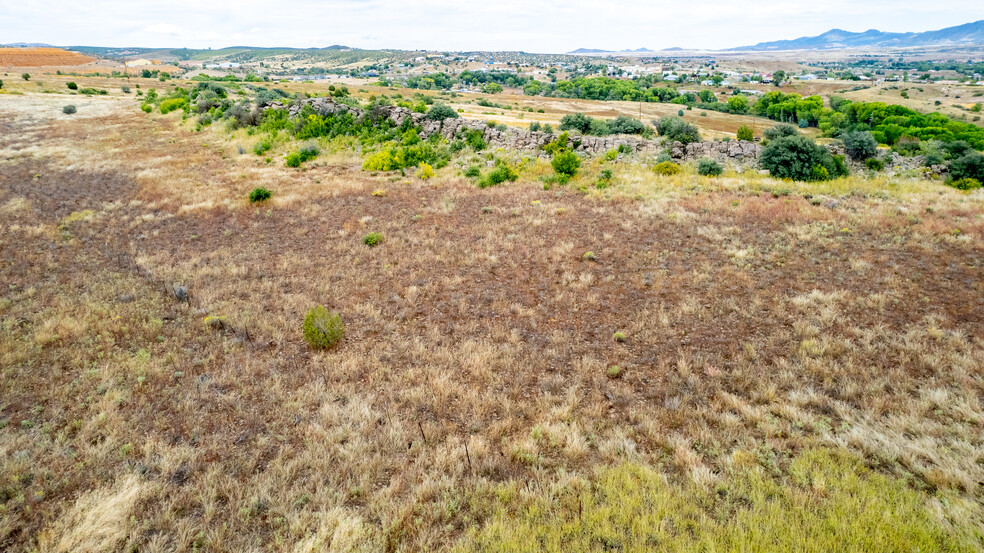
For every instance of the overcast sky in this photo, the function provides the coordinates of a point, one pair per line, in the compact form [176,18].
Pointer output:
[530,25]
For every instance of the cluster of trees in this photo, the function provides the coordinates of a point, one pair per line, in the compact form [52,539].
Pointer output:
[892,125]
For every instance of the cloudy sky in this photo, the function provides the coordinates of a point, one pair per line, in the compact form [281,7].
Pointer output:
[530,25]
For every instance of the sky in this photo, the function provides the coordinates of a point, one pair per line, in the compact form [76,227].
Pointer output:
[547,26]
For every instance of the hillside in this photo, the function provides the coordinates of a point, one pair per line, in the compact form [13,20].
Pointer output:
[37,57]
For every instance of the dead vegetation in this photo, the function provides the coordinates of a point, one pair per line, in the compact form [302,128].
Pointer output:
[478,340]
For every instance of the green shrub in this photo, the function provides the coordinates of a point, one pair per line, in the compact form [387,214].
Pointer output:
[426,171]
[125,89]
[69,109]
[799,158]
[261,148]
[172,104]
[307,153]
[745,133]
[93,91]
[626,125]
[968,166]
[966,183]
[372,239]
[323,329]
[566,163]
[500,174]
[475,139]
[72,86]
[666,168]
[26,76]
[260,194]
[473,172]
[679,113]
[709,167]
[779,131]
[146,108]
[677,130]
[860,145]
[874,164]
[440,112]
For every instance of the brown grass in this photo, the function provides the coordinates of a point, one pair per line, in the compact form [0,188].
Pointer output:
[477,340]
[39,57]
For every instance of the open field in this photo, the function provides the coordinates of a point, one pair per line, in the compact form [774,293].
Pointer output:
[35,57]
[798,367]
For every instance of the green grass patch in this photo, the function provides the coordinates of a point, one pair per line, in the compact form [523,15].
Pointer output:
[828,501]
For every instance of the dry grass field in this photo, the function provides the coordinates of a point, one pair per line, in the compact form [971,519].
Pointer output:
[743,364]
[39,57]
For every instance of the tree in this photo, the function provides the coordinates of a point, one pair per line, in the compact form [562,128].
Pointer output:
[532,88]
[738,104]
[492,88]
[778,77]
[624,124]
[72,86]
[706,96]
[26,76]
[745,133]
[575,122]
[860,145]
[799,158]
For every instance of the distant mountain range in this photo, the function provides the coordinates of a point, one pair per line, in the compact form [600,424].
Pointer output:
[968,33]
[27,45]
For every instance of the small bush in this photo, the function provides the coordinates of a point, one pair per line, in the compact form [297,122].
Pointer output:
[860,145]
[323,329]
[307,153]
[172,104]
[125,89]
[426,171]
[261,148]
[745,133]
[799,158]
[260,194]
[499,175]
[69,109]
[779,131]
[874,164]
[146,108]
[966,184]
[372,239]
[709,168]
[566,163]
[72,86]
[968,166]
[473,172]
[26,76]
[440,112]
[678,130]
[666,168]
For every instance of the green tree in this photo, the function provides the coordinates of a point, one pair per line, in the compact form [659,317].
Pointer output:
[968,166]
[799,158]
[706,96]
[26,76]
[440,112]
[738,104]
[492,88]
[532,88]
[566,163]
[860,145]
[778,77]
[745,133]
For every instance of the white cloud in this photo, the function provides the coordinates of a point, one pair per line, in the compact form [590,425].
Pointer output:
[537,26]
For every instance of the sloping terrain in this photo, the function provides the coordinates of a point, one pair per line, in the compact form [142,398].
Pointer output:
[39,57]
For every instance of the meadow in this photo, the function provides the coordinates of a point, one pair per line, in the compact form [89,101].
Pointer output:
[666,363]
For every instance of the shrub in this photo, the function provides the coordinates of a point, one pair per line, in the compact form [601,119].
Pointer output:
[678,130]
[372,239]
[323,329]
[259,194]
[666,168]
[26,76]
[475,139]
[125,89]
[799,158]
[779,131]
[576,122]
[626,125]
[72,86]
[473,172]
[709,167]
[966,184]
[261,148]
[566,163]
[745,133]
[172,104]
[426,171]
[679,113]
[500,174]
[69,109]
[440,112]
[860,145]
[307,153]
[969,166]
[1,84]
[874,164]
[146,108]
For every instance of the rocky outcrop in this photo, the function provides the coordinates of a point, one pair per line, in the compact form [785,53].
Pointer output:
[735,151]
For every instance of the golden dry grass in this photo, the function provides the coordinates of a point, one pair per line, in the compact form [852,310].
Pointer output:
[758,324]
